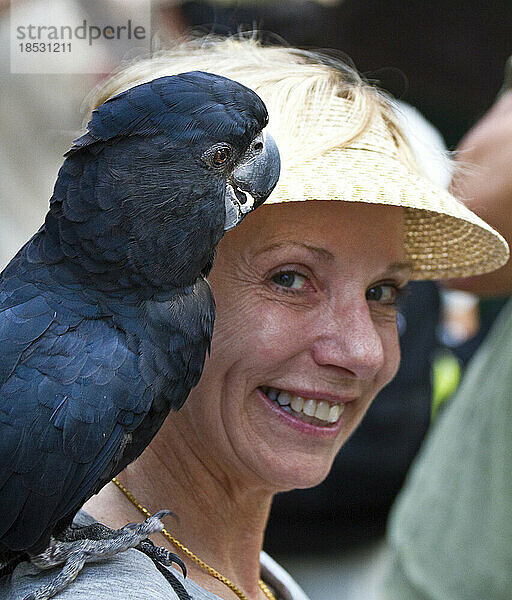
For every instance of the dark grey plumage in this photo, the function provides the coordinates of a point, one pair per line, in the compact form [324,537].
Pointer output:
[105,314]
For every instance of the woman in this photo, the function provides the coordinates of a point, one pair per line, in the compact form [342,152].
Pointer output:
[305,333]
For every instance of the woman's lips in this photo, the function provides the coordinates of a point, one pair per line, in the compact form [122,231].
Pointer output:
[319,412]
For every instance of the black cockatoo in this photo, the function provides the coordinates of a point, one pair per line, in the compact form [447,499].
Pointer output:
[105,314]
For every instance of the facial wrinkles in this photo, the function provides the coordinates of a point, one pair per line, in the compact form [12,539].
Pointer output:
[320,254]
[264,338]
[337,311]
[313,252]
[285,351]
[271,246]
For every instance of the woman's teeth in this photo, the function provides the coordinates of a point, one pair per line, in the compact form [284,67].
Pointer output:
[305,408]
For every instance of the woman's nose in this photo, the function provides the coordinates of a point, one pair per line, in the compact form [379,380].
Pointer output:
[350,341]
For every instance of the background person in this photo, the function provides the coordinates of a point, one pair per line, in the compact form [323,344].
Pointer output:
[451,528]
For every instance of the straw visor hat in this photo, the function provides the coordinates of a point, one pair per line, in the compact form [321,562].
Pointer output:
[339,140]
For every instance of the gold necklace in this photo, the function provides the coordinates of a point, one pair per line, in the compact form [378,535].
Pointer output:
[210,570]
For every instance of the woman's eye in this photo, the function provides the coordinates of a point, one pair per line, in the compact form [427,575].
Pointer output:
[383,293]
[289,279]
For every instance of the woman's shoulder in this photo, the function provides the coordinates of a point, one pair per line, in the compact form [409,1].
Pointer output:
[130,575]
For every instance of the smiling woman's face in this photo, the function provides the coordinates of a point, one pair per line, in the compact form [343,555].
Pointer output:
[305,336]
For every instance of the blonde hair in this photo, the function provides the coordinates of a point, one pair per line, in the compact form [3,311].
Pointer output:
[339,139]
[300,88]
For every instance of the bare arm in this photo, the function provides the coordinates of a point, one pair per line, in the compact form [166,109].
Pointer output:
[484,182]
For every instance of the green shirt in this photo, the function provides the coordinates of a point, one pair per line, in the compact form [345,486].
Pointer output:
[451,528]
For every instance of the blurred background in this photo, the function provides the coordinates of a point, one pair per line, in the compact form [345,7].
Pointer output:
[445,59]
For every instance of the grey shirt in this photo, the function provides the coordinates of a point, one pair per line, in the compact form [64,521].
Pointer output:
[131,575]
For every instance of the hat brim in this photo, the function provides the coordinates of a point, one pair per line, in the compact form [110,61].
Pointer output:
[443,238]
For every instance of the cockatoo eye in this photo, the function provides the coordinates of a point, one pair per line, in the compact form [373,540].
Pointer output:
[221,156]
